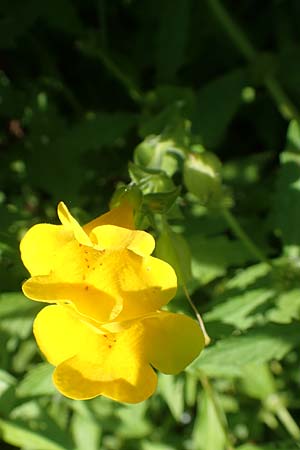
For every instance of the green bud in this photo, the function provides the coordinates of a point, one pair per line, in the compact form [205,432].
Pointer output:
[150,180]
[157,153]
[202,176]
[131,194]
[161,202]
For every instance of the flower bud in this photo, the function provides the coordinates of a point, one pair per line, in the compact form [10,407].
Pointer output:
[202,176]
[130,194]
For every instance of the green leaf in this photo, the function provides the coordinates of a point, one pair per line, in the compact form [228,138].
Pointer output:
[228,356]
[172,390]
[286,216]
[173,22]
[155,446]
[208,433]
[19,434]
[275,446]
[86,430]
[92,133]
[14,304]
[287,307]
[211,257]
[217,103]
[237,309]
[134,423]
[173,248]
[17,313]
[38,381]
[248,276]
[258,381]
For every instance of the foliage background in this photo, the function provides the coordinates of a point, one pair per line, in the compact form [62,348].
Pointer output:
[82,84]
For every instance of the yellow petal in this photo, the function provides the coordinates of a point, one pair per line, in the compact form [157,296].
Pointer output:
[70,223]
[59,333]
[111,236]
[113,365]
[40,246]
[146,284]
[122,216]
[87,300]
[101,281]
[173,341]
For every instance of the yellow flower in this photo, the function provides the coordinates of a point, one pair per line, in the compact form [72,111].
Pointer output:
[104,269]
[105,332]
[96,361]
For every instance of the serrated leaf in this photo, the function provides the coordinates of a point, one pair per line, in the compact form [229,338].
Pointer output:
[248,276]
[228,356]
[238,308]
[212,256]
[287,307]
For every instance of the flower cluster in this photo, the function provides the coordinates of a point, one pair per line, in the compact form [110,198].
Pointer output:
[105,331]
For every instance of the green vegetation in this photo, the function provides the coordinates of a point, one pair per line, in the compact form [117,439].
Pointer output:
[192,108]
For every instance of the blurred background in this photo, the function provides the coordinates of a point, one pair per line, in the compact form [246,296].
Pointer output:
[87,86]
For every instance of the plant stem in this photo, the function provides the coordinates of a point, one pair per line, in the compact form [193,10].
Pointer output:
[197,314]
[219,412]
[275,404]
[116,72]
[285,106]
[288,421]
[168,230]
[244,238]
[234,31]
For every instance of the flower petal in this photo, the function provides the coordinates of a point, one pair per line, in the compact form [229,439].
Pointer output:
[111,236]
[87,300]
[101,283]
[70,223]
[173,341]
[113,365]
[40,246]
[59,333]
[121,216]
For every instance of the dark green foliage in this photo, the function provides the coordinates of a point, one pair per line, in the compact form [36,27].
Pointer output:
[97,94]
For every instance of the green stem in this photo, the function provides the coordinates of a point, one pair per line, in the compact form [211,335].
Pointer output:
[233,30]
[197,314]
[168,230]
[275,404]
[285,106]
[219,412]
[289,423]
[244,238]
[115,71]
